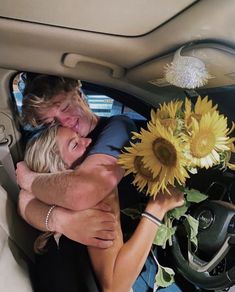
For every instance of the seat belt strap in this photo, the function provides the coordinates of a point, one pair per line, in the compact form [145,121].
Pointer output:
[7,172]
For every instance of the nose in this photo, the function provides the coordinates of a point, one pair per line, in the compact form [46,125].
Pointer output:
[85,141]
[66,120]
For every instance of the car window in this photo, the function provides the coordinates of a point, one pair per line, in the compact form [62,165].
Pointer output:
[17,89]
[105,106]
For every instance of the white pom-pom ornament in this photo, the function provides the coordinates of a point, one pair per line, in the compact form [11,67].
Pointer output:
[186,72]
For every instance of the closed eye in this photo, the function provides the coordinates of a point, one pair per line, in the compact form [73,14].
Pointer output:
[65,108]
[73,144]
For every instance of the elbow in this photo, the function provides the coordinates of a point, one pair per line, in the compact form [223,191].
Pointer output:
[20,206]
[23,201]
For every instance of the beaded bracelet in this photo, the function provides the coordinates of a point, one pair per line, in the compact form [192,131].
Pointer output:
[152,218]
[48,216]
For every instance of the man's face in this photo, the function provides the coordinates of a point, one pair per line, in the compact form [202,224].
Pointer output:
[70,111]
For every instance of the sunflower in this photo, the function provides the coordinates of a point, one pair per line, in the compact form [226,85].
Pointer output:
[209,140]
[167,114]
[202,106]
[132,163]
[162,154]
[231,146]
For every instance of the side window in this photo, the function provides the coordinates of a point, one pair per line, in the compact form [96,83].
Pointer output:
[18,86]
[105,106]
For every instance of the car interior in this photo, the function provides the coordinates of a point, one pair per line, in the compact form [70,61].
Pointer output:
[120,50]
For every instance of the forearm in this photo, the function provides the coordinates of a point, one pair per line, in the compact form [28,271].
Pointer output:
[132,257]
[79,189]
[114,264]
[128,259]
[33,211]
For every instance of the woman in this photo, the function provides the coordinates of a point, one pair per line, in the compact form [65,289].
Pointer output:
[117,268]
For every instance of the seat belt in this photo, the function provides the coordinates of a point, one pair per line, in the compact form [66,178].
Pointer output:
[7,171]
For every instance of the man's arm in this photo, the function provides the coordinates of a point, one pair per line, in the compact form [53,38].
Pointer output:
[93,180]
[76,190]
[73,224]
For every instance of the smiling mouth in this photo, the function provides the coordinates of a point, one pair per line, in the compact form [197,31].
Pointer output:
[76,126]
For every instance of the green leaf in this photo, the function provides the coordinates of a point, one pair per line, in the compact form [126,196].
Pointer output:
[133,213]
[163,234]
[194,196]
[164,277]
[179,211]
[192,228]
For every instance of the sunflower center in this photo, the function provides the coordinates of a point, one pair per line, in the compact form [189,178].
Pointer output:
[141,169]
[164,151]
[202,144]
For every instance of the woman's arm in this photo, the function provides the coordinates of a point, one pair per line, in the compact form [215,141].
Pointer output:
[118,267]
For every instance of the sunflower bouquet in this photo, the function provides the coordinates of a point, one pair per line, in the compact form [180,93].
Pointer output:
[179,140]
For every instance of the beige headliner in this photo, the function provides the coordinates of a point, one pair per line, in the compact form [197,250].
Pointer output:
[136,60]
[122,17]
[41,48]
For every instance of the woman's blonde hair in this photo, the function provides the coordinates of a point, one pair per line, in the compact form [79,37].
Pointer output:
[42,155]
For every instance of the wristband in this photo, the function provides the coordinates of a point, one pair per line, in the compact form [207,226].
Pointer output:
[48,216]
[152,218]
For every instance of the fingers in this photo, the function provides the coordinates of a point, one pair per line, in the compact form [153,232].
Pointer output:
[103,206]
[96,242]
[108,225]
[103,216]
[106,235]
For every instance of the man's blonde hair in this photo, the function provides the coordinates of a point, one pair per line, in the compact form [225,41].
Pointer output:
[38,93]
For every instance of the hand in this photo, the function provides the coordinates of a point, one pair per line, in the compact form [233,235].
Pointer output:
[165,202]
[91,227]
[24,176]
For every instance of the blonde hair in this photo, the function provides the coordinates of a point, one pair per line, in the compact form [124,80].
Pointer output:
[42,155]
[39,92]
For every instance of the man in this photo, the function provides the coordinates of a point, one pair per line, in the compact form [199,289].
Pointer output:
[48,99]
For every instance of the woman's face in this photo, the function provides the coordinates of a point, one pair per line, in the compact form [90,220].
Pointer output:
[71,145]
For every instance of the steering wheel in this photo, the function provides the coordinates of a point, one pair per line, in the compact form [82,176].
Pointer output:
[216,240]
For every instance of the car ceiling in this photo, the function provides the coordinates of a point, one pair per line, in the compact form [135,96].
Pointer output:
[121,17]
[133,40]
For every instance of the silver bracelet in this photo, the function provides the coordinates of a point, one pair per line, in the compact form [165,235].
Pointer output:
[152,218]
[48,216]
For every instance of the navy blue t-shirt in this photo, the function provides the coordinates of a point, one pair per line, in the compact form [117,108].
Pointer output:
[111,135]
